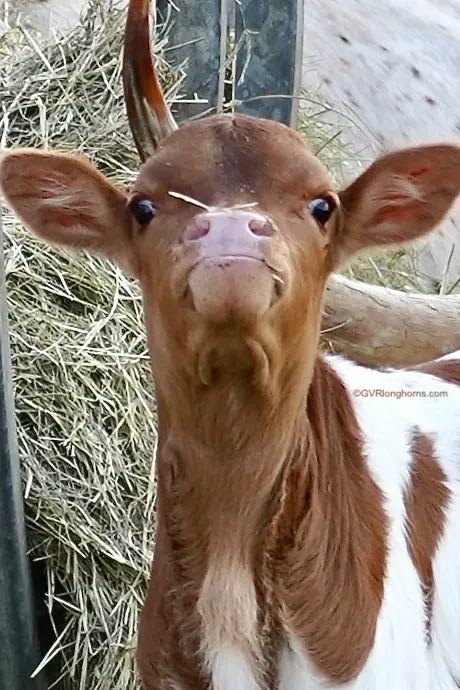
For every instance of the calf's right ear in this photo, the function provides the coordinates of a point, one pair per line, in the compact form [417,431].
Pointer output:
[65,200]
[400,198]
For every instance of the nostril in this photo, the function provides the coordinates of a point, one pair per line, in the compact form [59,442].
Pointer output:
[197,229]
[260,227]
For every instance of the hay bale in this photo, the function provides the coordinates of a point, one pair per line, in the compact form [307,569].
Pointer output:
[84,400]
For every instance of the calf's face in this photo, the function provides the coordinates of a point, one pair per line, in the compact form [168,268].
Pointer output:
[232,220]
[232,228]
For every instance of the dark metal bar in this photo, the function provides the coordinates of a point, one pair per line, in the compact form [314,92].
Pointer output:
[269,35]
[18,643]
[194,37]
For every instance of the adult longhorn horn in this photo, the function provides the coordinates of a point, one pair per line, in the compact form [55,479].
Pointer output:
[149,116]
[376,325]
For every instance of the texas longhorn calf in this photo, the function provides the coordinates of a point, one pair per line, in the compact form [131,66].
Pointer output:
[308,538]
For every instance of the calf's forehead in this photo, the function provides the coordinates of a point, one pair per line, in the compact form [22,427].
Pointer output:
[225,157]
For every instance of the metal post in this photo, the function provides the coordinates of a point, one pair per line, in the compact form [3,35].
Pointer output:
[270,57]
[195,37]
[18,643]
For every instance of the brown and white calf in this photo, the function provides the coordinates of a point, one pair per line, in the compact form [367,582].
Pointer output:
[308,535]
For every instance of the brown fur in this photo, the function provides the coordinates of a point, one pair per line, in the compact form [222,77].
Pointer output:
[316,553]
[426,503]
[332,576]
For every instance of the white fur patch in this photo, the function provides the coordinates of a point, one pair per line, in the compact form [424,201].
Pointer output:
[297,671]
[231,670]
[445,628]
[228,610]
[452,355]
[400,659]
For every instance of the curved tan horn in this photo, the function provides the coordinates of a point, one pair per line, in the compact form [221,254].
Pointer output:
[149,116]
[376,325]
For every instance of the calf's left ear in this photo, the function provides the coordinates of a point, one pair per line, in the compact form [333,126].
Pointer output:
[64,200]
[399,198]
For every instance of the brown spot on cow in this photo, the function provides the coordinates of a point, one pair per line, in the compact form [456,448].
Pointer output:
[426,502]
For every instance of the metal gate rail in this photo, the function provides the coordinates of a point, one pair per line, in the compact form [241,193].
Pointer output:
[19,653]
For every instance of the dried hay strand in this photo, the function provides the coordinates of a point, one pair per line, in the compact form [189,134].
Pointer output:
[84,400]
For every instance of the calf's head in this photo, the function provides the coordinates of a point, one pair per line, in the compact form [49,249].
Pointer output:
[232,226]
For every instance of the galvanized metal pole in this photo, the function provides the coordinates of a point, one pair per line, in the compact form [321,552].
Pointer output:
[18,643]
[195,38]
[269,61]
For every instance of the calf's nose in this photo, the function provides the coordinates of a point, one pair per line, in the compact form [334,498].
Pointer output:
[231,280]
[229,233]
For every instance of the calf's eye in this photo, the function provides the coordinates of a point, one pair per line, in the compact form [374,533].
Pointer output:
[322,209]
[143,210]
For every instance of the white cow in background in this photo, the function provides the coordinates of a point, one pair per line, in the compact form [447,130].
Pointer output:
[47,15]
[393,65]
